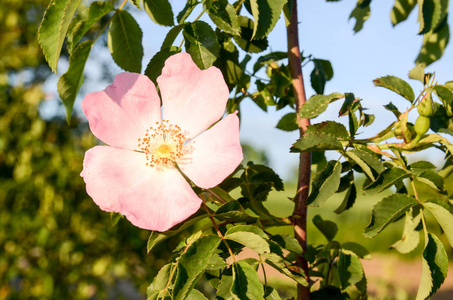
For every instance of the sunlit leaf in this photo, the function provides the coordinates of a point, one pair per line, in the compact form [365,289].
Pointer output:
[434,269]
[317,104]
[350,270]
[54,26]
[125,41]
[70,83]
[325,184]
[223,14]
[361,13]
[201,43]
[401,10]
[385,180]
[96,11]
[186,11]
[159,282]
[397,85]
[246,283]
[357,249]
[159,11]
[411,237]
[388,210]
[193,263]
[245,39]
[443,216]
[249,236]
[434,44]
[266,14]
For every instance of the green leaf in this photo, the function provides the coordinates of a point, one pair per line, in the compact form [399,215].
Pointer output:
[366,161]
[171,36]
[391,107]
[349,198]
[385,180]
[216,262]
[245,40]
[418,73]
[401,10]
[196,295]
[411,237]
[136,3]
[432,179]
[53,28]
[287,242]
[159,11]
[159,282]
[249,236]
[223,15]
[125,42]
[350,270]
[325,184]
[285,267]
[288,122]
[419,167]
[316,142]
[444,94]
[397,85]
[193,263]
[328,228]
[186,11]
[433,13]
[157,237]
[322,72]
[357,249]
[361,13]
[433,45]
[76,31]
[201,43]
[271,294]
[435,267]
[70,83]
[317,104]
[157,63]
[443,216]
[246,284]
[266,14]
[331,128]
[388,210]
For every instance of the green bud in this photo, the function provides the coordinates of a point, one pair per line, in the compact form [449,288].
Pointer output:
[425,106]
[398,130]
[421,126]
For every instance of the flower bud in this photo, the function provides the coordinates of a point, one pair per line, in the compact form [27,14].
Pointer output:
[425,106]
[421,125]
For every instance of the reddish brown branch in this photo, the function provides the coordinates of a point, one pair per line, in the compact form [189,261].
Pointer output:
[300,210]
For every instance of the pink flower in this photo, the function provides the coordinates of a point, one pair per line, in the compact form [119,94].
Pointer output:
[136,175]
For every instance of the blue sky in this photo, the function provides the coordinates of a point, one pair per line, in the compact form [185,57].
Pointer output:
[325,32]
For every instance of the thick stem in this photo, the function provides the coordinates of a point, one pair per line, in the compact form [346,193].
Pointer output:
[303,184]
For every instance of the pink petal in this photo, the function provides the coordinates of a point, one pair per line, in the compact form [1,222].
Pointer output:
[120,114]
[108,172]
[162,199]
[214,154]
[192,98]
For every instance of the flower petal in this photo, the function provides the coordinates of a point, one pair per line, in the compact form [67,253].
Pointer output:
[192,98]
[162,199]
[109,171]
[121,113]
[214,154]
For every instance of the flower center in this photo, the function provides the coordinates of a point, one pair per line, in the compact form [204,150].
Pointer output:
[162,144]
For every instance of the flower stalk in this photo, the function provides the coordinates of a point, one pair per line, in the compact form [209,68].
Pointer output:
[303,183]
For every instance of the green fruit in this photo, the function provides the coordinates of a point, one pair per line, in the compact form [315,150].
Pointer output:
[421,125]
[425,107]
